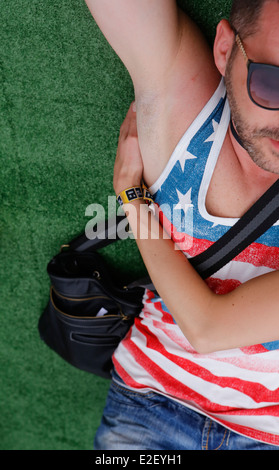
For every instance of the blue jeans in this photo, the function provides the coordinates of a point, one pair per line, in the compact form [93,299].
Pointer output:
[150,421]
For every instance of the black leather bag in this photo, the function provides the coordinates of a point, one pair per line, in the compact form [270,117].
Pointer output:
[88,314]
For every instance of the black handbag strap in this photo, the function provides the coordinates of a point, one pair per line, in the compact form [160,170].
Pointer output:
[261,216]
[109,231]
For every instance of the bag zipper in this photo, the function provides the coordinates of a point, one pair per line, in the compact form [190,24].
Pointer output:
[123,316]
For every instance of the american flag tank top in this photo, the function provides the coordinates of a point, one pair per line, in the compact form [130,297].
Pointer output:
[239,388]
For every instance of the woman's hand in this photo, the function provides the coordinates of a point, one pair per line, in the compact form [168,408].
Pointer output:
[128,167]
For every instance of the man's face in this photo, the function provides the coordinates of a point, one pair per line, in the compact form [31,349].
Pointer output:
[258,128]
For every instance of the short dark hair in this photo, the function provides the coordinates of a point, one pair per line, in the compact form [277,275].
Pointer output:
[245,15]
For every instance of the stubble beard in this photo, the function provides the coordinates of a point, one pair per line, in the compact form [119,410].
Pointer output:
[252,138]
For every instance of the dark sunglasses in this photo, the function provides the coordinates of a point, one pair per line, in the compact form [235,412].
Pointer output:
[262,82]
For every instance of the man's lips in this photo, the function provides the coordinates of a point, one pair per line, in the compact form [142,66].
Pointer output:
[275,143]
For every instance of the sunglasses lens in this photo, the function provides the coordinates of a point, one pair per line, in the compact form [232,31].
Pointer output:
[264,85]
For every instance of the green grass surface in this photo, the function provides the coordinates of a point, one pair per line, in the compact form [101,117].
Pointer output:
[63,96]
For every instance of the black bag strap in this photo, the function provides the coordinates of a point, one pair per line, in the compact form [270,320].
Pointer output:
[109,231]
[261,216]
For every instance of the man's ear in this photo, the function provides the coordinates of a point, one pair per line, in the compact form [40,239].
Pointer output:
[223,44]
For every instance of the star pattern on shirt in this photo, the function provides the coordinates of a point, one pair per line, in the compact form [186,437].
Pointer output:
[184,201]
[184,157]
[211,138]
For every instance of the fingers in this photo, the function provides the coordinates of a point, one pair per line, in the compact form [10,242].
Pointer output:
[129,125]
[133,121]
[128,168]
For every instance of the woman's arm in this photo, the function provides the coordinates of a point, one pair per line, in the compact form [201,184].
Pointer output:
[246,316]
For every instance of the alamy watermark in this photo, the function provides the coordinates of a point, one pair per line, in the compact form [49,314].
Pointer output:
[110,222]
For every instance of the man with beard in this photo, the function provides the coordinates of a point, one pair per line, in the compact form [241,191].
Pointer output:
[199,368]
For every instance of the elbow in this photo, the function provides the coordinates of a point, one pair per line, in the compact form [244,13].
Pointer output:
[202,341]
[203,346]
[206,334]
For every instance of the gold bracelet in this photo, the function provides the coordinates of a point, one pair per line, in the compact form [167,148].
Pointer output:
[130,194]
[133,193]
[146,193]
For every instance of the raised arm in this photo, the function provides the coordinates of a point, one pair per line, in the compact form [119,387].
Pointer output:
[144,33]
[170,64]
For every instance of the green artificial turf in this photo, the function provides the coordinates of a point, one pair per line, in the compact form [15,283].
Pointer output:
[63,96]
